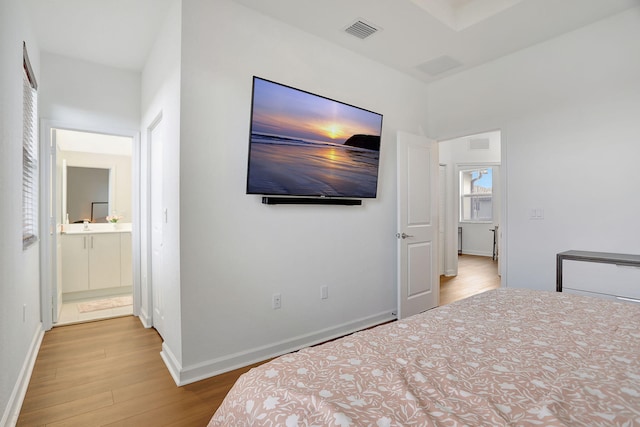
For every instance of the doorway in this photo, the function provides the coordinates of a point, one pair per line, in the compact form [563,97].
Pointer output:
[469,232]
[89,273]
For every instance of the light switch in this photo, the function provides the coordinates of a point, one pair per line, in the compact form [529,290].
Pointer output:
[536,213]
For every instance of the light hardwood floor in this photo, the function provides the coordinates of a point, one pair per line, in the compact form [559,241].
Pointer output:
[109,372]
[475,274]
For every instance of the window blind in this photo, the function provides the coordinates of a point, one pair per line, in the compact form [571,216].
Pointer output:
[29,155]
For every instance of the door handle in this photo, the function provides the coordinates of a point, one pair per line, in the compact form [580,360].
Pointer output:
[403,235]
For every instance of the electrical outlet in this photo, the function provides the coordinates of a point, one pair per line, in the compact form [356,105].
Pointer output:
[324,292]
[276,301]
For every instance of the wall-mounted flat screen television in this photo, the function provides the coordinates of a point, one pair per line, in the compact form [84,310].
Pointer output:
[303,144]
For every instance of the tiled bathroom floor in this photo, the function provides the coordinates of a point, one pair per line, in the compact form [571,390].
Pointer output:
[70,313]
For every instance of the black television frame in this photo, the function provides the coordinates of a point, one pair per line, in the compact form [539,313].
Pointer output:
[319,198]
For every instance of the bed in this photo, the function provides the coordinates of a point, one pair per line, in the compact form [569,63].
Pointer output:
[504,357]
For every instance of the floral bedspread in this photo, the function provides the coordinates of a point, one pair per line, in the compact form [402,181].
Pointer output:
[512,357]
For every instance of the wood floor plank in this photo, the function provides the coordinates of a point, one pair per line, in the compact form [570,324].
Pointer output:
[159,381]
[110,373]
[171,413]
[151,404]
[87,375]
[72,388]
[57,413]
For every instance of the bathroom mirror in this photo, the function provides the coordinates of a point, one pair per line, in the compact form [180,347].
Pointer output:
[87,194]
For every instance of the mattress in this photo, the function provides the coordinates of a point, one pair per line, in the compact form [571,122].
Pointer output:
[504,357]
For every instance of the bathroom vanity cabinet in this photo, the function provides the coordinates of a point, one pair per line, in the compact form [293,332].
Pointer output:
[92,261]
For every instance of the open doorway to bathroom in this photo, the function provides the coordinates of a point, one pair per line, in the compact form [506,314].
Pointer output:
[92,202]
[471,207]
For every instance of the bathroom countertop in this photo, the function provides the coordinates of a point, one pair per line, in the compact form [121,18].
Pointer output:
[96,228]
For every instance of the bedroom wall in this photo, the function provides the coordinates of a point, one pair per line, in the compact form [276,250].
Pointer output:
[236,252]
[161,96]
[20,327]
[568,110]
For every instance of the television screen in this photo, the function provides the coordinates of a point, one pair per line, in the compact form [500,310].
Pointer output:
[303,144]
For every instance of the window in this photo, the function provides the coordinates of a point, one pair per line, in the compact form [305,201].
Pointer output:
[476,187]
[29,154]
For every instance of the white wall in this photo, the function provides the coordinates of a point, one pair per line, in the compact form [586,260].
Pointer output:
[20,333]
[93,96]
[237,252]
[477,239]
[161,96]
[568,110]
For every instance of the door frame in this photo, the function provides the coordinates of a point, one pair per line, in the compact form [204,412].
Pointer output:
[148,313]
[443,220]
[49,226]
[502,238]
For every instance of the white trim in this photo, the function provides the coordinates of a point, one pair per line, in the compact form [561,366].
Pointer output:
[12,411]
[199,371]
[478,253]
[172,363]
[501,238]
[47,262]
[146,320]
[136,222]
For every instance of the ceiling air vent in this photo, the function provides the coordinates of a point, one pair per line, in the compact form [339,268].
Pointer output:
[439,65]
[479,144]
[361,29]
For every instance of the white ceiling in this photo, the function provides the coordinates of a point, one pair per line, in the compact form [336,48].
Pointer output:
[418,37]
[87,142]
[118,33]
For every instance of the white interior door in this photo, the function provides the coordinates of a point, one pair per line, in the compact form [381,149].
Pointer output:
[157,220]
[418,269]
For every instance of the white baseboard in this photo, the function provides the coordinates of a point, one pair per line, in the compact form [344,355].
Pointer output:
[96,293]
[210,368]
[144,317]
[12,411]
[477,253]
[172,363]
